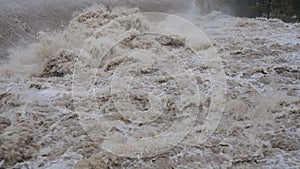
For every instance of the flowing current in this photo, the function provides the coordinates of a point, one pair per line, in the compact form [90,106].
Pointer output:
[128,85]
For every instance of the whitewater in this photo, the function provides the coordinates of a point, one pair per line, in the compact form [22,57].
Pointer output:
[78,89]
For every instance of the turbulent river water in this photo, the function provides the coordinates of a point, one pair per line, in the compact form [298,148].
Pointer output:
[110,86]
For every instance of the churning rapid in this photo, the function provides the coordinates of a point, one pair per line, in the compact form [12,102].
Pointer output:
[54,91]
